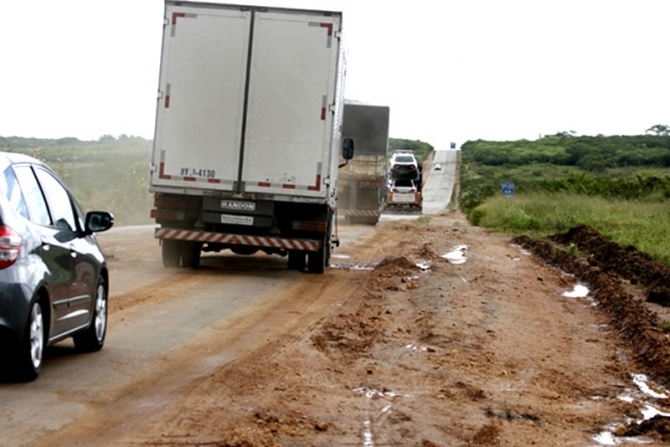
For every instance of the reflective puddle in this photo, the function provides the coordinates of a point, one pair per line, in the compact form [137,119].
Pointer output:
[376,417]
[352,266]
[579,291]
[457,255]
[645,389]
[424,266]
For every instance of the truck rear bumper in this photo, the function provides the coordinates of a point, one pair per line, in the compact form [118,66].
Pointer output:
[261,242]
[356,213]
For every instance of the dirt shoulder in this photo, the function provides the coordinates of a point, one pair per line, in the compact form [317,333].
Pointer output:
[456,337]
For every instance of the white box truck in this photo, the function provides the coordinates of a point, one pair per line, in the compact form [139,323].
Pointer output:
[247,140]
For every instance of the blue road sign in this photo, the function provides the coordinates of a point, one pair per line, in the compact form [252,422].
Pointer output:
[507,189]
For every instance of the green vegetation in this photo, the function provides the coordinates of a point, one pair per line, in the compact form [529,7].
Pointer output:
[110,174]
[420,149]
[619,185]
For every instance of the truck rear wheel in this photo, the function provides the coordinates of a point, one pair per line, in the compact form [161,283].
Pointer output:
[297,260]
[171,252]
[190,254]
[317,261]
[180,253]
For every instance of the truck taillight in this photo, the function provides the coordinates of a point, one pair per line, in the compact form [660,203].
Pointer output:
[169,203]
[309,226]
[167,214]
[10,246]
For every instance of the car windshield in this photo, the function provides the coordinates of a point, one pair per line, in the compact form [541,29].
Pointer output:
[404,183]
[404,159]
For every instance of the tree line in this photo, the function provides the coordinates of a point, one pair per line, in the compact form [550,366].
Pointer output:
[627,167]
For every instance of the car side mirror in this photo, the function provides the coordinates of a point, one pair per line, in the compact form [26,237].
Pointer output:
[348,148]
[97,221]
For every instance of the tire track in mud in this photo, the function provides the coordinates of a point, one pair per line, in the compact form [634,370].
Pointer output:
[185,376]
[383,357]
[165,288]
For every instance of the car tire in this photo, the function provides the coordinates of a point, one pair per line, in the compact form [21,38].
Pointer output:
[93,338]
[30,353]
[171,252]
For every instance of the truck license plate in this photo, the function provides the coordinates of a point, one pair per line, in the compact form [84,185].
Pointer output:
[237,205]
[236,220]
[403,198]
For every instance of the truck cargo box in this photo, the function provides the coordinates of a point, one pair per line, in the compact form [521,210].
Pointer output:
[362,180]
[248,131]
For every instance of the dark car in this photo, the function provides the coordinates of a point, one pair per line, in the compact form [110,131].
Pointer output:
[53,276]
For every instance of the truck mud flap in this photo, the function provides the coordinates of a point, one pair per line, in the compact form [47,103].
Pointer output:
[368,217]
[238,239]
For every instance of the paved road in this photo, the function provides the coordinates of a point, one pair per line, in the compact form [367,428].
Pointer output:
[439,188]
[155,315]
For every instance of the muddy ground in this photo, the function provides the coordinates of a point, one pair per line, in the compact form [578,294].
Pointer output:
[442,334]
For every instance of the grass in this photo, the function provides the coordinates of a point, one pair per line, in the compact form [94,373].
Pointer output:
[646,225]
[104,175]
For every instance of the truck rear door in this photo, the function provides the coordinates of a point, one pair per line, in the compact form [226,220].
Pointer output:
[245,99]
[199,117]
[291,90]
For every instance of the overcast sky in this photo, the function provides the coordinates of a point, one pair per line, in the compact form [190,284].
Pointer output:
[449,70]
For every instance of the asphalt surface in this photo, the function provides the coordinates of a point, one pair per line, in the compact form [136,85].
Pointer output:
[439,187]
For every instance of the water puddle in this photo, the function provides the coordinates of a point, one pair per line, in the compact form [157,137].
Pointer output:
[416,348]
[648,411]
[376,417]
[579,291]
[368,439]
[522,250]
[352,266]
[457,255]
[372,393]
[605,438]
[642,382]
[424,266]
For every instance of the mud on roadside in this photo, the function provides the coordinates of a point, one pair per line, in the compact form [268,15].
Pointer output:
[606,267]
[424,349]
[609,270]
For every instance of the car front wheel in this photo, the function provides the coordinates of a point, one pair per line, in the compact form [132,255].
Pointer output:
[93,338]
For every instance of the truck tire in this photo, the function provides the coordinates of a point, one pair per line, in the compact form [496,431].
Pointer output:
[171,252]
[297,260]
[190,254]
[317,261]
